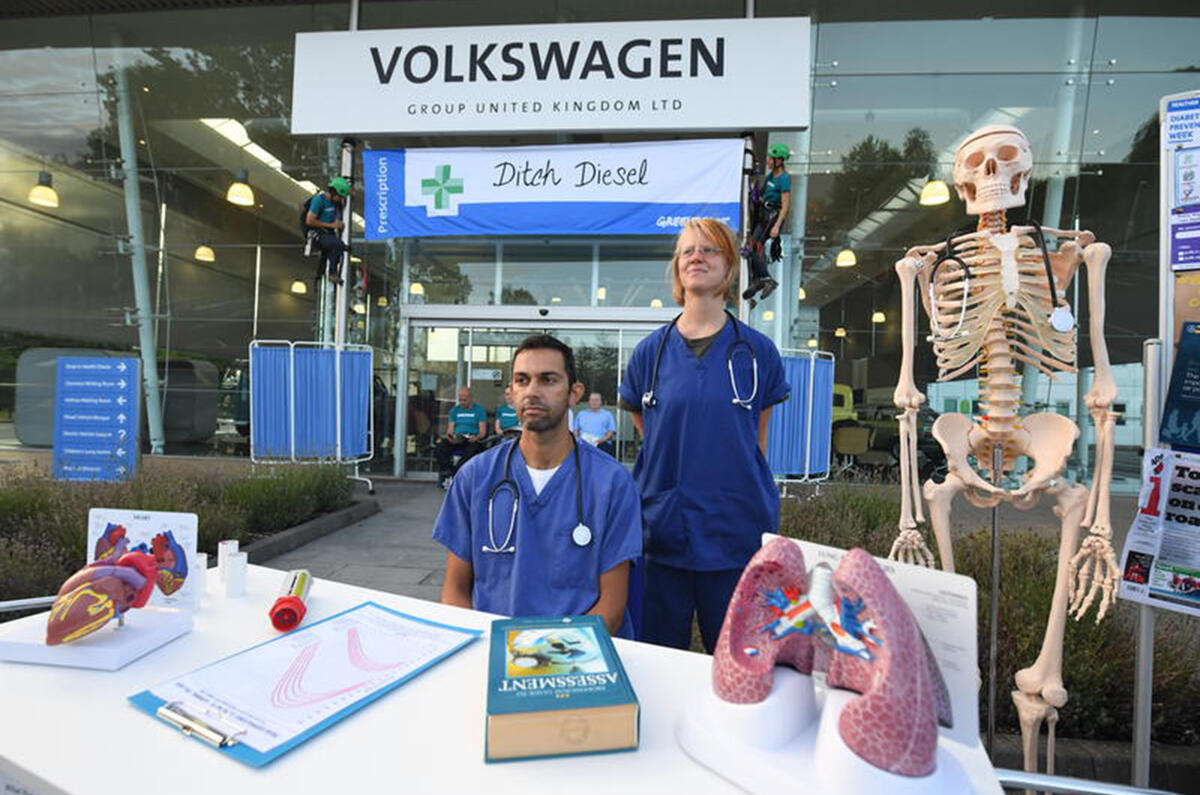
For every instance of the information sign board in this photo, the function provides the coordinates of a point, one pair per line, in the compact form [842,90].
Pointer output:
[96,418]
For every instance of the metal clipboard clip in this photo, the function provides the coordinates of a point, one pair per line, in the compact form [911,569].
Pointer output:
[203,728]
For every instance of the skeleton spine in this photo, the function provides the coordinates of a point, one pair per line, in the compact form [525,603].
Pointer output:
[1000,396]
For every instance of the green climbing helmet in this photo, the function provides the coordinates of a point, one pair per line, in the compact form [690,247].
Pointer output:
[779,150]
[340,185]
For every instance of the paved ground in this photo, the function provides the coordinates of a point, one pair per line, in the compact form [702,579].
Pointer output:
[392,551]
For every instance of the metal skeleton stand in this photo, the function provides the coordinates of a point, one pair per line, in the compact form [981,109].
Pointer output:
[994,606]
[1143,682]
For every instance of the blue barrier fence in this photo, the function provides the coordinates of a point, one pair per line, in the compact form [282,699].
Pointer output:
[801,428]
[294,405]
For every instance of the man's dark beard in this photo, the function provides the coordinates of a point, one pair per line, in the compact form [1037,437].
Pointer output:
[547,421]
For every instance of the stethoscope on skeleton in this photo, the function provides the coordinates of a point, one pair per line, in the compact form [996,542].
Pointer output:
[581,535]
[649,400]
[1061,318]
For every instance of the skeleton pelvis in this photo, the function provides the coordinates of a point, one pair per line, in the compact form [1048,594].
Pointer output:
[1045,438]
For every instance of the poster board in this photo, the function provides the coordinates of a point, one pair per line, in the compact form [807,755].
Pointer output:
[1160,563]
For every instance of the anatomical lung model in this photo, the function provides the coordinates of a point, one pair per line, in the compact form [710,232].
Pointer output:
[850,623]
[95,594]
[994,297]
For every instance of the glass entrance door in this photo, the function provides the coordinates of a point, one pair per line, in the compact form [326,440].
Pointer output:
[443,358]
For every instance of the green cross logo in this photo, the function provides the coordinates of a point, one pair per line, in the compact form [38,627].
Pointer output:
[441,187]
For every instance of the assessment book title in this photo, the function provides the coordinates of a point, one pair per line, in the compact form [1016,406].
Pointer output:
[557,686]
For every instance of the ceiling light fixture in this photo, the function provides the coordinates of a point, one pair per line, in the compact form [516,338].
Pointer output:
[240,192]
[204,253]
[934,193]
[299,287]
[846,258]
[43,193]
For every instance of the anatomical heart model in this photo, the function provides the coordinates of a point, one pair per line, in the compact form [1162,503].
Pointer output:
[995,298]
[97,593]
[136,558]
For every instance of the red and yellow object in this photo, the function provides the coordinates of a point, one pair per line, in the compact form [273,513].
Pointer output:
[289,609]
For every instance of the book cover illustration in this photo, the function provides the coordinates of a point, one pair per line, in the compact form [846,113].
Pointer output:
[533,652]
[556,686]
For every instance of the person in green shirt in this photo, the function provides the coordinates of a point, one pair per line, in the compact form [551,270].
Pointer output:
[507,422]
[465,429]
[324,218]
[775,199]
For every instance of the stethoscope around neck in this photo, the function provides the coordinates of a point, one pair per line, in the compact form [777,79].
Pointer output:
[581,535]
[649,400]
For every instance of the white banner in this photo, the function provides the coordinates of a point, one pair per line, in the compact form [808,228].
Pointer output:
[727,74]
[618,189]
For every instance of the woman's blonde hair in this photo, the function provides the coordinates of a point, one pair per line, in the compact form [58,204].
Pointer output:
[720,235]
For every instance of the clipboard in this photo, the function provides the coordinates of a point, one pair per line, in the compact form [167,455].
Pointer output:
[205,705]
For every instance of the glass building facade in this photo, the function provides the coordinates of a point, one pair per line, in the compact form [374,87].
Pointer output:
[202,91]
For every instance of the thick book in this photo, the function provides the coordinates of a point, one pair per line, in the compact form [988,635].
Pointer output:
[556,686]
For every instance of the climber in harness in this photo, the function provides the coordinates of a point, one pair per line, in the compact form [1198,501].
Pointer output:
[770,203]
[323,223]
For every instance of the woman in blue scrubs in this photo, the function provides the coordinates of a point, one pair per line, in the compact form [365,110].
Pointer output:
[707,493]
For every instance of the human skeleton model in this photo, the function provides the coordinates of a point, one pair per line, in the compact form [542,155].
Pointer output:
[994,298]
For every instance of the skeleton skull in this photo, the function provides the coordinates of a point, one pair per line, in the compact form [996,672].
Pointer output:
[992,168]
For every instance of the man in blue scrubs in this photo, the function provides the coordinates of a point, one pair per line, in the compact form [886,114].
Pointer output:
[565,518]
[595,425]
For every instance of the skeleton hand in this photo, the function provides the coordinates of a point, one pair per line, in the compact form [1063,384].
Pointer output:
[1094,571]
[909,547]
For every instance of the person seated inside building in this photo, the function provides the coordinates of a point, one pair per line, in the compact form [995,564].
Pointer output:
[466,428]
[507,423]
[324,218]
[595,425]
[542,525]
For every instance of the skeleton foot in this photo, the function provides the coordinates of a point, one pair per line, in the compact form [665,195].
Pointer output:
[910,547]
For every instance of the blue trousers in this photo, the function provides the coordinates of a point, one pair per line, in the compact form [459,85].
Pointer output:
[674,595]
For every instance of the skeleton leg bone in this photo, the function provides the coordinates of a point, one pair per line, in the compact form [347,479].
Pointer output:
[1031,711]
[1044,677]
[940,496]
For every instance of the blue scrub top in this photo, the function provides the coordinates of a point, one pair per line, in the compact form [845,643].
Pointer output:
[548,574]
[594,423]
[707,492]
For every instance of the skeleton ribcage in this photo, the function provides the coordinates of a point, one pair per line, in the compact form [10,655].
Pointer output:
[1016,303]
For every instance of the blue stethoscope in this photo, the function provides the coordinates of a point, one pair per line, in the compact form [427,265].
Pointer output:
[581,535]
[649,400]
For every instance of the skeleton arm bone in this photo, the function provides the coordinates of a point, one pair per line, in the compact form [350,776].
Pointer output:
[908,545]
[1095,563]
